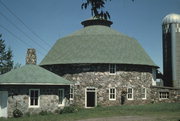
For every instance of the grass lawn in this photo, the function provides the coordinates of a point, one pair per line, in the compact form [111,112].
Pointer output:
[161,112]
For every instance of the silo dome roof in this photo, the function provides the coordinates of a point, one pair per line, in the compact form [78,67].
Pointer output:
[97,43]
[171,18]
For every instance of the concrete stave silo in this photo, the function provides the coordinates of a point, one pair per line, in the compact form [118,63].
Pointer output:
[171,50]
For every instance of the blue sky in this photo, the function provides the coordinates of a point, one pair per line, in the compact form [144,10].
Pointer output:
[54,19]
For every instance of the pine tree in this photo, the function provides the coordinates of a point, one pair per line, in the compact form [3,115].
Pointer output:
[6,63]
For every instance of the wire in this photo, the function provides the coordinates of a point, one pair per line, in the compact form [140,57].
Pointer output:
[27,26]
[24,42]
[21,31]
[24,24]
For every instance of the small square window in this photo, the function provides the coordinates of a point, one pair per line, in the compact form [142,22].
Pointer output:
[112,69]
[163,95]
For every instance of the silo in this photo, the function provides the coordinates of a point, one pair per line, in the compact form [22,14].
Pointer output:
[171,50]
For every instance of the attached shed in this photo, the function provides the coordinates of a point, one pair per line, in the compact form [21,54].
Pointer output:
[32,89]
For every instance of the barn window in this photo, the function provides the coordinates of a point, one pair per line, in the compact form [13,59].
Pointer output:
[130,93]
[34,97]
[61,96]
[71,92]
[112,93]
[143,93]
[163,95]
[112,69]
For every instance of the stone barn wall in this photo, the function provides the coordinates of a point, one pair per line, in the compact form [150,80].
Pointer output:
[18,97]
[97,75]
[165,94]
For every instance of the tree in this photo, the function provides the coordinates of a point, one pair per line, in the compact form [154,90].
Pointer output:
[6,63]
[97,8]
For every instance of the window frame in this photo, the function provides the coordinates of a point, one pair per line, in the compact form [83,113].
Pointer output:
[144,93]
[62,103]
[34,106]
[130,93]
[166,95]
[71,93]
[112,88]
[112,68]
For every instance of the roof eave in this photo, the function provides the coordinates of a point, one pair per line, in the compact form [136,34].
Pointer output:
[52,84]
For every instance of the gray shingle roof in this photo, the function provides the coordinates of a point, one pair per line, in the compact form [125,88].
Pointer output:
[32,75]
[97,44]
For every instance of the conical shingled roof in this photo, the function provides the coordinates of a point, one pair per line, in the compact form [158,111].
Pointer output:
[97,44]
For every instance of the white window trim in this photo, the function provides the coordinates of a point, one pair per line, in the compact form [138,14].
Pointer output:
[112,93]
[132,94]
[110,69]
[71,87]
[144,93]
[34,106]
[165,97]
[63,103]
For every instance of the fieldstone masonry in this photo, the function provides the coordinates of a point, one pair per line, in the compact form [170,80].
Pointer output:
[174,94]
[98,76]
[19,98]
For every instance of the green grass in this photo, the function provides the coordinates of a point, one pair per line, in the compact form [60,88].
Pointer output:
[168,111]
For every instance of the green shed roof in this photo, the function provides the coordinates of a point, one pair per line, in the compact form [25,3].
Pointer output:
[32,75]
[97,44]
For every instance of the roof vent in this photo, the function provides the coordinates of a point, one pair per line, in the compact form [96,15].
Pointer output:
[31,56]
[96,21]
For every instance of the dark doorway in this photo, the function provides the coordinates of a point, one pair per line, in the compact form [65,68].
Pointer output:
[90,99]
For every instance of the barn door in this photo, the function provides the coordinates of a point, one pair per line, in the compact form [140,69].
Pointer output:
[3,103]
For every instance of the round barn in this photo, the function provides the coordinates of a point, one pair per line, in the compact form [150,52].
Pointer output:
[108,67]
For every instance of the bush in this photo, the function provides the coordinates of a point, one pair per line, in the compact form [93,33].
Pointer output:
[43,113]
[69,109]
[17,113]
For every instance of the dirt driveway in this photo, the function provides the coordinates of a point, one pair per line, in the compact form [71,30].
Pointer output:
[126,118]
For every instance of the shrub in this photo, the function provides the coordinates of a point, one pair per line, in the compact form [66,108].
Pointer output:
[69,109]
[17,113]
[43,113]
